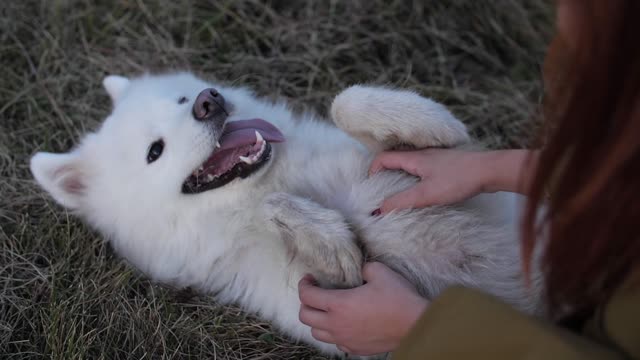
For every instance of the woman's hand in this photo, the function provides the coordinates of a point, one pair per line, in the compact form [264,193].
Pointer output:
[449,176]
[367,320]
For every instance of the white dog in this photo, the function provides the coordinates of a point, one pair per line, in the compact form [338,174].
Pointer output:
[207,186]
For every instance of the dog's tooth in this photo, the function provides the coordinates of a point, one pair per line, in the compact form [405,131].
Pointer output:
[201,168]
[246,160]
[217,144]
[264,145]
[259,138]
[209,177]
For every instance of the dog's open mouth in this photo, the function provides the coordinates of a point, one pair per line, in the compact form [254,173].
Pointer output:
[242,149]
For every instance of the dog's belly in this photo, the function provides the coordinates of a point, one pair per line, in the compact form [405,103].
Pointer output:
[474,243]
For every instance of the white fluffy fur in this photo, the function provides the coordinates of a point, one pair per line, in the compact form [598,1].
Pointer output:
[224,241]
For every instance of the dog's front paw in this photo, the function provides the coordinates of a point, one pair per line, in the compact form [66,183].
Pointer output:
[383,118]
[342,268]
[320,237]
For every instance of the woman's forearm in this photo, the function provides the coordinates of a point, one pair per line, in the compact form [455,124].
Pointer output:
[509,170]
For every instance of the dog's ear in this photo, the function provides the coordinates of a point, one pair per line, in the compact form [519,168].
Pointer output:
[61,175]
[115,86]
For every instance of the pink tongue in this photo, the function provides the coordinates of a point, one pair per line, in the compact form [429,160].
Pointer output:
[243,132]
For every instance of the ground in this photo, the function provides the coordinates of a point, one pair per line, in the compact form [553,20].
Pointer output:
[63,293]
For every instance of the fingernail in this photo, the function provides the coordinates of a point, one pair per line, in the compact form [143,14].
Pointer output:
[376,212]
[310,278]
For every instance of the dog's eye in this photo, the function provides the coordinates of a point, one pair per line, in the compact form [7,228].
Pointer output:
[155,151]
[182,100]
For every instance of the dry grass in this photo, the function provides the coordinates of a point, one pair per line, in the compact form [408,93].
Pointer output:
[63,293]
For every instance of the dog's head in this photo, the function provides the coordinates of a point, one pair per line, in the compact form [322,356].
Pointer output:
[170,138]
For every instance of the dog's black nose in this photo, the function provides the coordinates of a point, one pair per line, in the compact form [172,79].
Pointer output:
[209,105]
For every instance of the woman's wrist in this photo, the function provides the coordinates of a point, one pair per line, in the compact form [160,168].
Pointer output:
[506,170]
[409,317]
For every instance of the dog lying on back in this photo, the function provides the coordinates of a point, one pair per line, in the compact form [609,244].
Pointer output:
[206,186]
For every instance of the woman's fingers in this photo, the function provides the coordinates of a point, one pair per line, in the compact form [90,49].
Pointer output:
[322,335]
[313,317]
[415,197]
[317,297]
[396,160]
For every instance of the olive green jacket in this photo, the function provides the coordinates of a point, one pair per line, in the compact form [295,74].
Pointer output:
[467,324]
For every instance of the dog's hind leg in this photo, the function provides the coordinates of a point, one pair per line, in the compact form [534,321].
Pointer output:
[319,237]
[383,118]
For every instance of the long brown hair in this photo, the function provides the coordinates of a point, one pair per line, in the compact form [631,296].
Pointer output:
[590,161]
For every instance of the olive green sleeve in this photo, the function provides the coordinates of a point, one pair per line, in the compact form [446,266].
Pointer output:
[620,322]
[467,324]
